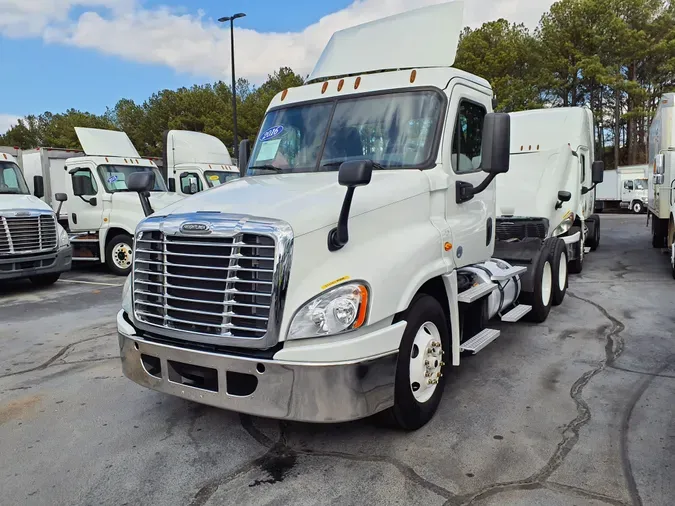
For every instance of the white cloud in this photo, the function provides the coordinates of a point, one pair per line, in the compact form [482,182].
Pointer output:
[191,43]
[7,121]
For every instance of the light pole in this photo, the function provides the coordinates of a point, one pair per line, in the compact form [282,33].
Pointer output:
[234,81]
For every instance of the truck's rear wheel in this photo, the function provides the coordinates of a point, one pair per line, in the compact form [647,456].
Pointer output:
[45,279]
[119,254]
[542,297]
[420,367]
[577,265]
[594,240]
[558,257]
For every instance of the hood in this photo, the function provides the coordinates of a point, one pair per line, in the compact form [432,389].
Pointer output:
[307,202]
[184,147]
[158,200]
[530,187]
[22,202]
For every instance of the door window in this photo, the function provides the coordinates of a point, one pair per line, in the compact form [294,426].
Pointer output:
[468,137]
[84,182]
[190,183]
[628,185]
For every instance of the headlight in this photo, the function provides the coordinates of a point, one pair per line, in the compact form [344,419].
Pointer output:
[127,305]
[566,224]
[338,310]
[63,236]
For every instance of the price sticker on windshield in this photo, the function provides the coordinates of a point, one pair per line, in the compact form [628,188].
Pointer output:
[271,133]
[112,179]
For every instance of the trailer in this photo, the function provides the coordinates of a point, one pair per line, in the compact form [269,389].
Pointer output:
[354,259]
[623,188]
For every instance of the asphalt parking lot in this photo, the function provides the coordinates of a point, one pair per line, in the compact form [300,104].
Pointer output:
[579,410]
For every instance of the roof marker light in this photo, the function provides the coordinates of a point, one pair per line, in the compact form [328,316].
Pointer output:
[324,87]
[341,84]
[283,95]
[413,76]
[357,83]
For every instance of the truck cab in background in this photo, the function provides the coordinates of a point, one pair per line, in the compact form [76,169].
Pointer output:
[623,188]
[101,214]
[548,193]
[194,161]
[354,260]
[32,244]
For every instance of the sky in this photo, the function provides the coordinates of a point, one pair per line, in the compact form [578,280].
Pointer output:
[88,54]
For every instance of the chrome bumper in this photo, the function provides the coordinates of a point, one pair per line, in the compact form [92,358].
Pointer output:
[308,392]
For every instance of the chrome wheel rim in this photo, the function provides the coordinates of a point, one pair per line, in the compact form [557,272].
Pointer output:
[546,283]
[425,362]
[122,255]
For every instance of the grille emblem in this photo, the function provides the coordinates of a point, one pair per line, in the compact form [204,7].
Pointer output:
[195,228]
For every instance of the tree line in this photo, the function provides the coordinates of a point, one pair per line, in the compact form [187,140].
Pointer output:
[615,56]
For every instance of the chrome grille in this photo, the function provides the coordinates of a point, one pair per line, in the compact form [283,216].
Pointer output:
[27,234]
[214,286]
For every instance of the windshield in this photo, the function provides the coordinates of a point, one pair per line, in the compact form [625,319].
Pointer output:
[395,130]
[114,177]
[641,184]
[218,177]
[11,179]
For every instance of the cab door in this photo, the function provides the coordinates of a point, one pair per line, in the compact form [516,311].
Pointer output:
[85,202]
[628,191]
[471,223]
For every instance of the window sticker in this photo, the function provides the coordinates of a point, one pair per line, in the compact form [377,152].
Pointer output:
[112,179]
[268,150]
[271,133]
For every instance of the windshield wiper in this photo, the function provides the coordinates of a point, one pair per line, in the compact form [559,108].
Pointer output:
[376,165]
[267,167]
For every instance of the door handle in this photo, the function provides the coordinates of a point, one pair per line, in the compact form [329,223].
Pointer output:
[74,218]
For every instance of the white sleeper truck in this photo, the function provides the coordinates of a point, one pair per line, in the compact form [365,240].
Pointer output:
[661,207]
[32,244]
[546,199]
[353,263]
[623,188]
[194,161]
[101,214]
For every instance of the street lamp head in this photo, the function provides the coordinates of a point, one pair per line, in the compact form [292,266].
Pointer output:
[238,15]
[224,20]
[231,18]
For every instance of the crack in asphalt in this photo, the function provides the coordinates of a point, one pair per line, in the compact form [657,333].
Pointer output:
[570,435]
[62,351]
[644,373]
[581,492]
[625,427]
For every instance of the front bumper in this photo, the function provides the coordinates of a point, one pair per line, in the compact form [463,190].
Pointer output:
[308,392]
[18,267]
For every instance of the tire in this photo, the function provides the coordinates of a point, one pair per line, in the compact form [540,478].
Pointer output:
[658,237]
[45,279]
[637,207]
[558,256]
[594,241]
[118,254]
[426,324]
[577,265]
[672,258]
[542,297]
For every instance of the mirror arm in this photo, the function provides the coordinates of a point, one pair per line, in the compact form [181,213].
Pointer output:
[466,191]
[558,205]
[145,202]
[339,236]
[585,190]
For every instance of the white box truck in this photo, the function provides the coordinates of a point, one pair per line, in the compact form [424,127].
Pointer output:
[195,161]
[662,176]
[101,214]
[32,244]
[336,279]
[623,188]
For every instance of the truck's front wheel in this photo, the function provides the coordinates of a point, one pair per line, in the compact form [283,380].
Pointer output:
[637,207]
[420,367]
[119,254]
[558,257]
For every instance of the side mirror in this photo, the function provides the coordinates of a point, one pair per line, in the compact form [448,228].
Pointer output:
[660,164]
[194,188]
[352,174]
[244,155]
[598,172]
[60,197]
[496,143]
[142,183]
[38,186]
[658,178]
[172,184]
[355,173]
[563,196]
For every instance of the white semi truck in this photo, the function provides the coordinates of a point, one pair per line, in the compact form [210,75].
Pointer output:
[194,161]
[32,244]
[623,188]
[547,196]
[661,207]
[354,259]
[101,214]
